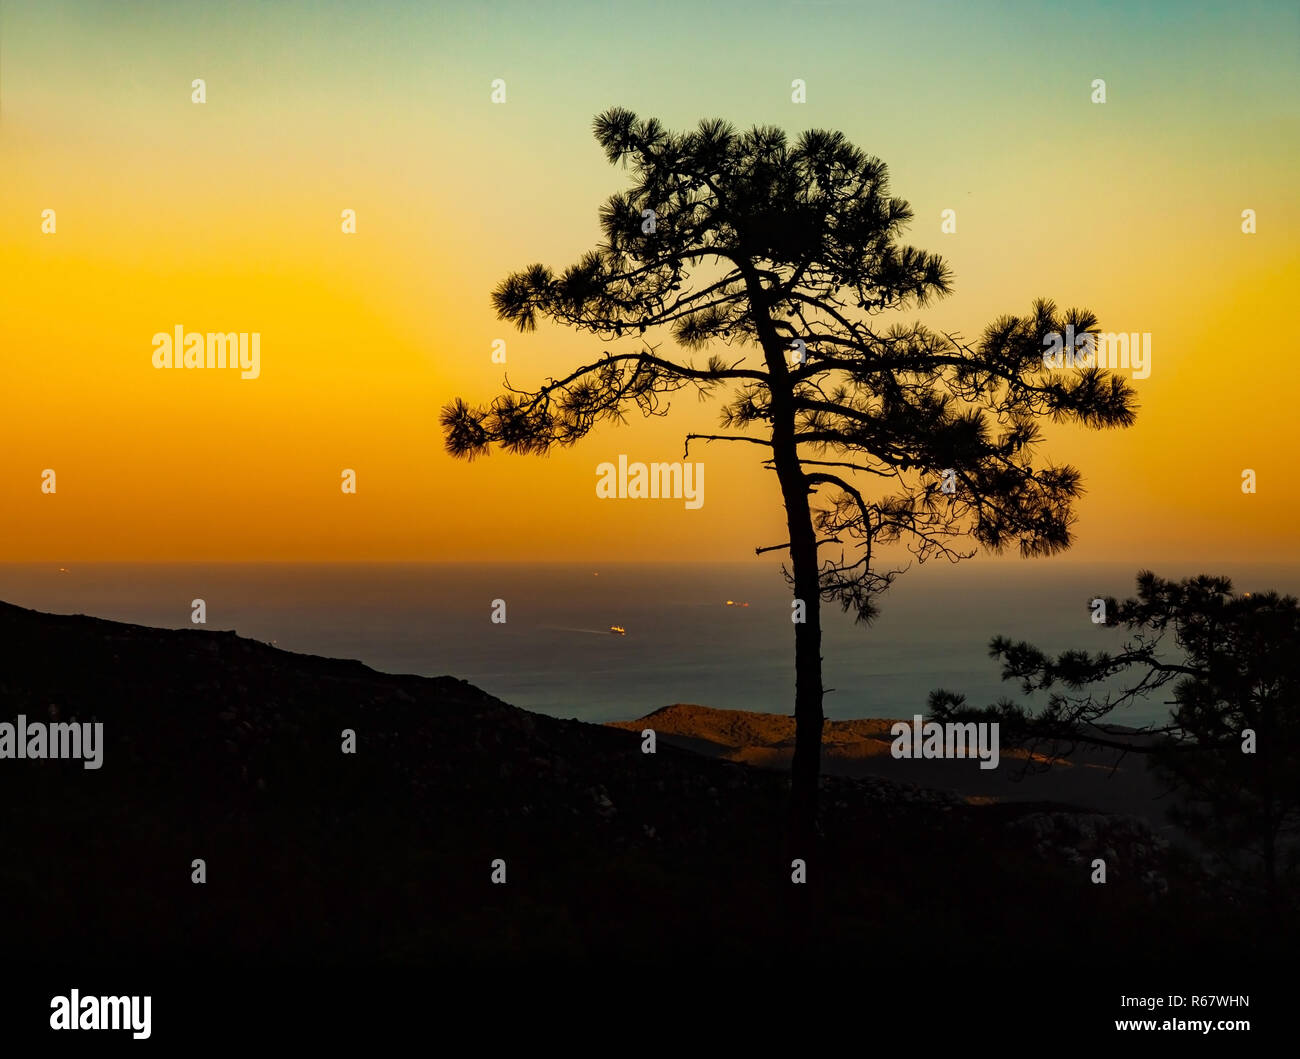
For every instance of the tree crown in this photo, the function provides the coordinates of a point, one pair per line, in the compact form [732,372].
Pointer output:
[744,239]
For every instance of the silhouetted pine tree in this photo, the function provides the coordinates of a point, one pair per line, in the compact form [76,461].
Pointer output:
[1231,748]
[787,253]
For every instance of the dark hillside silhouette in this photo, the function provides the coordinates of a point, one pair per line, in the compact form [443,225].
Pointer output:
[227,749]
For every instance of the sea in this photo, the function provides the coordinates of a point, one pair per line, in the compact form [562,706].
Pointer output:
[683,643]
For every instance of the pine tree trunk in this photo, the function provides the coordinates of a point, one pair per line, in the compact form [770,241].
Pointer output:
[808,718]
[805,772]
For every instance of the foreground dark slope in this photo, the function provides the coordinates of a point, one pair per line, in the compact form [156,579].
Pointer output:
[227,749]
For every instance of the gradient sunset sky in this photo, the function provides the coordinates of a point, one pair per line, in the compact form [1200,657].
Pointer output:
[226,217]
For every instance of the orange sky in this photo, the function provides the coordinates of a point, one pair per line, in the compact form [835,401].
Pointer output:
[225,216]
